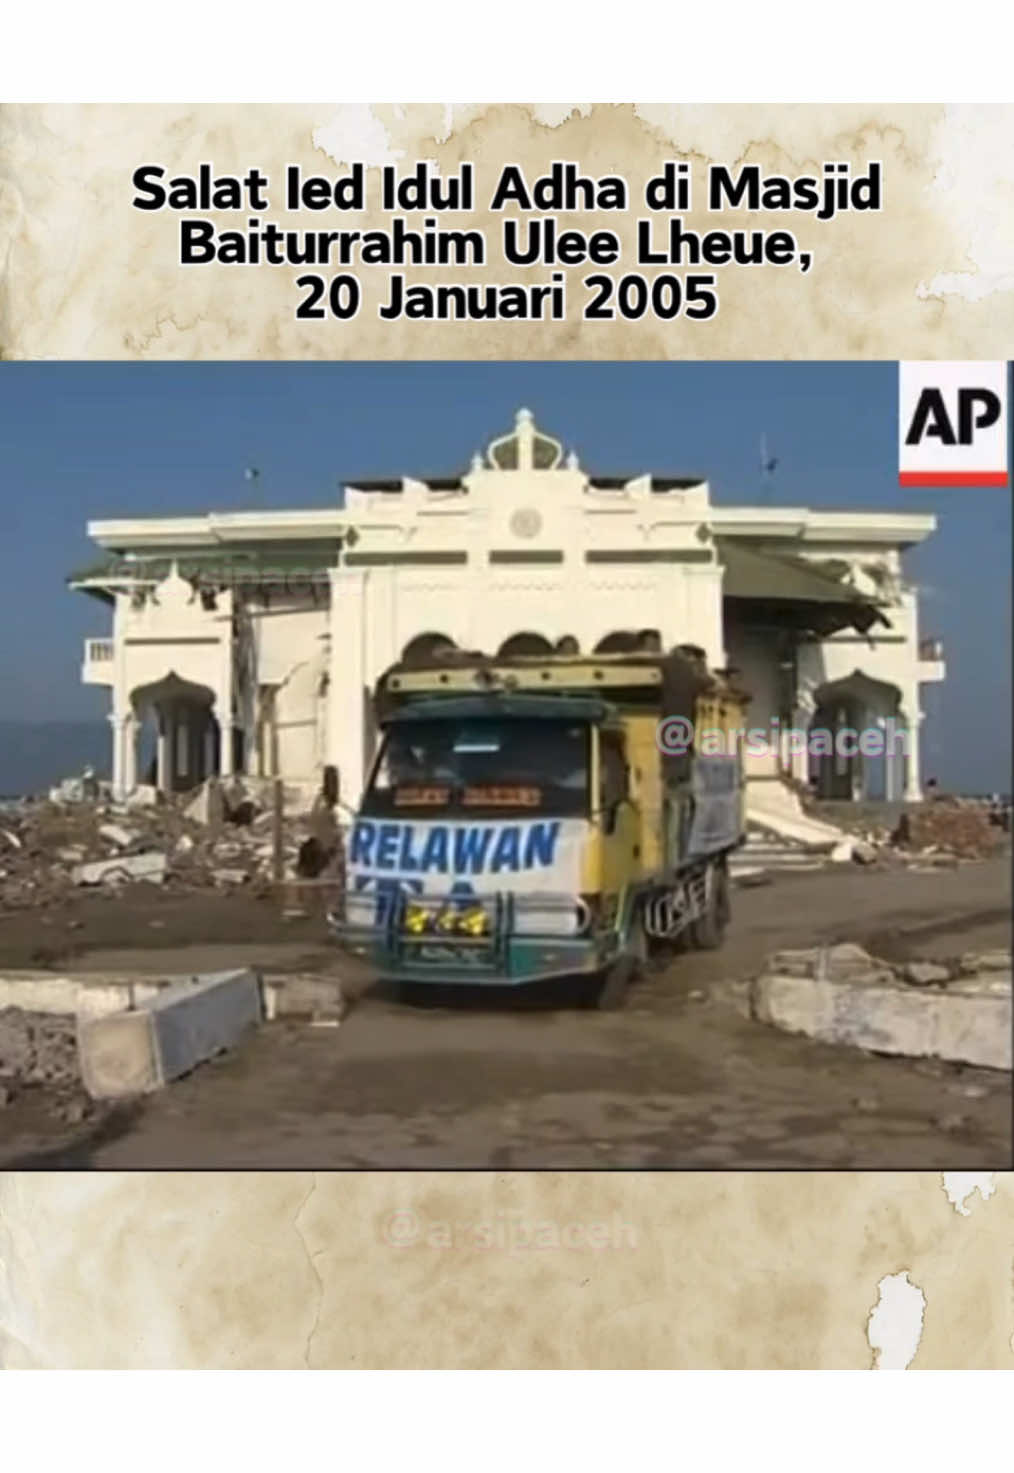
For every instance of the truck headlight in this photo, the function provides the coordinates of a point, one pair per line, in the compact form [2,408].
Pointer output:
[416,919]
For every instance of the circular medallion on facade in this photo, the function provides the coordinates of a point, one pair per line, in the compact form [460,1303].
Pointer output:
[526,522]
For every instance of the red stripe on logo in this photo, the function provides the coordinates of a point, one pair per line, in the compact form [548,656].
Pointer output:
[952,478]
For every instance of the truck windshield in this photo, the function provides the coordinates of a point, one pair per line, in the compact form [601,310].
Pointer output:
[493,764]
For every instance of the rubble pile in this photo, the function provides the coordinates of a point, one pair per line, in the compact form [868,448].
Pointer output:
[218,837]
[948,828]
[40,1049]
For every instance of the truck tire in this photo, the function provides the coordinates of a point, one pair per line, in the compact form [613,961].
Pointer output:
[708,932]
[611,991]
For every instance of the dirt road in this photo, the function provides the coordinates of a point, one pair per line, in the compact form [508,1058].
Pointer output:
[681,1078]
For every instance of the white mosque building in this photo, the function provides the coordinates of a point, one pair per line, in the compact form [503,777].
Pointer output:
[250,642]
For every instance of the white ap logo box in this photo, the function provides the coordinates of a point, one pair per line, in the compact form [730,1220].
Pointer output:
[952,424]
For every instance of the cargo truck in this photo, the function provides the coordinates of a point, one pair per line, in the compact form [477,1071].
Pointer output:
[545,816]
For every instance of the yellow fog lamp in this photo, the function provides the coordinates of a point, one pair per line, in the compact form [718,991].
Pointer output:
[447,922]
[416,919]
[473,921]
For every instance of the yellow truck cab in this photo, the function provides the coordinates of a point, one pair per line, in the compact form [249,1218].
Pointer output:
[544,816]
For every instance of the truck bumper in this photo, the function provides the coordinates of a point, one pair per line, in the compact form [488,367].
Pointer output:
[513,961]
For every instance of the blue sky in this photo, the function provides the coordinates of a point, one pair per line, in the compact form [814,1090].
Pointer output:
[103,440]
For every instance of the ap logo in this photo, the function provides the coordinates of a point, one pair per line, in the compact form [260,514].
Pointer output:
[952,424]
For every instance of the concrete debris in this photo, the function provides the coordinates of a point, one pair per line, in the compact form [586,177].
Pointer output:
[141,1049]
[143,796]
[984,961]
[207,806]
[118,835]
[931,1010]
[784,833]
[954,1121]
[84,789]
[921,974]
[948,827]
[774,806]
[49,849]
[230,876]
[150,867]
[37,1048]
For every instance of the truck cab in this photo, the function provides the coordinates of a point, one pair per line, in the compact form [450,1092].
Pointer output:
[513,827]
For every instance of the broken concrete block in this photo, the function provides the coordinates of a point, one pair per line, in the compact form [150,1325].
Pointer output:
[117,834]
[842,852]
[986,961]
[229,876]
[143,796]
[863,853]
[969,1021]
[922,974]
[135,1052]
[208,805]
[300,996]
[151,867]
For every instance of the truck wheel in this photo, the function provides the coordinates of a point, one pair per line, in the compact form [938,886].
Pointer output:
[630,964]
[708,932]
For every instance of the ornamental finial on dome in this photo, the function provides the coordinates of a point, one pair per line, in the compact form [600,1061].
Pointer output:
[526,448]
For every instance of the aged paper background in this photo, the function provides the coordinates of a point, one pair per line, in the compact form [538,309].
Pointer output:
[289,1270]
[87,276]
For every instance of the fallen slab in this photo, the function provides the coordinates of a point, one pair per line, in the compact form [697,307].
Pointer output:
[139,1050]
[773,806]
[853,999]
[151,867]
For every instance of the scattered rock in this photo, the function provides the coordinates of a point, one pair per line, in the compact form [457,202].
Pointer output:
[985,961]
[842,852]
[38,1048]
[969,1091]
[952,1122]
[117,834]
[230,876]
[922,974]
[867,1104]
[863,853]
[143,796]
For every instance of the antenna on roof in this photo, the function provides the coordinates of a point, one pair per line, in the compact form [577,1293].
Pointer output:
[252,476]
[768,462]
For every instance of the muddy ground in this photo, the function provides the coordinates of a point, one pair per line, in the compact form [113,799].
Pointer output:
[681,1078]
